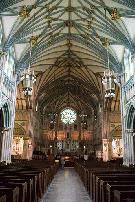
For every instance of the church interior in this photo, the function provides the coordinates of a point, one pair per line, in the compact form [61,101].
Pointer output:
[67,100]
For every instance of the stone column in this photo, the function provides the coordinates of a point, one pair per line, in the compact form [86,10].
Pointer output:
[3,152]
[26,149]
[125,155]
[132,150]
[133,61]
[128,150]
[105,150]
[6,146]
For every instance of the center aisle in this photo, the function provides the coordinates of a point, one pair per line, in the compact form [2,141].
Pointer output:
[66,187]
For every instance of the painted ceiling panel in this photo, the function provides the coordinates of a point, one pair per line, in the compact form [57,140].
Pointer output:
[19,49]
[8,23]
[129,22]
[72,38]
[120,51]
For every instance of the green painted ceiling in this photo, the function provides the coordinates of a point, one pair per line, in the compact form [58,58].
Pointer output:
[69,56]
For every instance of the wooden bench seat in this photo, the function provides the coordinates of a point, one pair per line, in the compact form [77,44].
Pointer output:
[121,196]
[94,174]
[21,185]
[103,184]
[97,186]
[12,194]
[37,182]
[111,188]
[3,198]
[95,177]
[36,175]
[22,179]
[130,200]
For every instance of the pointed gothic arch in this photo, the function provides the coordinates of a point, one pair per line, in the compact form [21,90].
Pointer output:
[1,129]
[6,113]
[129,121]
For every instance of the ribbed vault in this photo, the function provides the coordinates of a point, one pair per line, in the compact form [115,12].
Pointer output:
[69,39]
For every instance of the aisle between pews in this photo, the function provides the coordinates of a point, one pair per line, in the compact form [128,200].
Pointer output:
[66,187]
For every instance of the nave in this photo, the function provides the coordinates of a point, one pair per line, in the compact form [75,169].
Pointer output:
[67,96]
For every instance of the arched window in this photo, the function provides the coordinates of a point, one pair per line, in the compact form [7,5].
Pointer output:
[129,69]
[68,116]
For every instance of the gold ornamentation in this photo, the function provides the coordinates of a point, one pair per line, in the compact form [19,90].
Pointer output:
[49,23]
[24,12]
[33,40]
[115,14]
[69,9]
[34,6]
[68,23]
[89,24]
[92,7]
[105,42]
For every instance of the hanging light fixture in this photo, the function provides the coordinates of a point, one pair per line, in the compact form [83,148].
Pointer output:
[109,79]
[29,77]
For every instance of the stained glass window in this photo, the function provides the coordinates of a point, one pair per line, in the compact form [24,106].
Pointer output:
[68,116]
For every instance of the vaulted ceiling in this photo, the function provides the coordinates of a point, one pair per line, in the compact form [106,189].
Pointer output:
[69,46]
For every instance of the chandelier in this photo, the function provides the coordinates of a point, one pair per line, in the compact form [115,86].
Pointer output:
[109,80]
[28,79]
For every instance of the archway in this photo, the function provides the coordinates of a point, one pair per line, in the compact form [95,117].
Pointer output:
[1,130]
[6,115]
[117,145]
[18,141]
[130,135]
[134,135]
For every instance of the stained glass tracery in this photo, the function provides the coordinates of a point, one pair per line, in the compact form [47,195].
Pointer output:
[68,116]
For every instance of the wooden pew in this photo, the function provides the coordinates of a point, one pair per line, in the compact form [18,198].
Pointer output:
[34,197]
[12,194]
[21,185]
[22,179]
[96,177]
[37,175]
[111,187]
[120,196]
[98,186]
[3,198]
[92,180]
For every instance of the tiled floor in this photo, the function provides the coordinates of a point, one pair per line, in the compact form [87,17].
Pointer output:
[66,187]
